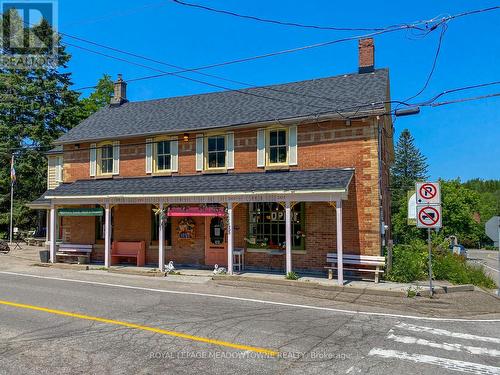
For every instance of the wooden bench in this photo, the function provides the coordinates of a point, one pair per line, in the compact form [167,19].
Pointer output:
[135,250]
[79,251]
[376,262]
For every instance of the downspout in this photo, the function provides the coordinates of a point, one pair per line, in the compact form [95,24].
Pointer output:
[380,183]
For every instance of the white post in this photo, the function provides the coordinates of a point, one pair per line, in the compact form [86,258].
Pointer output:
[340,262]
[161,240]
[230,238]
[107,236]
[288,237]
[47,226]
[52,228]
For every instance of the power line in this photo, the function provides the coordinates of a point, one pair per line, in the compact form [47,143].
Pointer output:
[444,27]
[438,104]
[271,21]
[433,22]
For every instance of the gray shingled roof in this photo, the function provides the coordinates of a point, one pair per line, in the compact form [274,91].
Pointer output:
[325,179]
[230,108]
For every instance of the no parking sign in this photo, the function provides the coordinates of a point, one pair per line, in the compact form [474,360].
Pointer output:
[428,193]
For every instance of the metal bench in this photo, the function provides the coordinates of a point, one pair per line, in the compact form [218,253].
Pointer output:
[366,261]
[79,251]
[135,250]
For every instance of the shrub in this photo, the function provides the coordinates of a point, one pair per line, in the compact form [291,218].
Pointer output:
[408,263]
[291,276]
[455,269]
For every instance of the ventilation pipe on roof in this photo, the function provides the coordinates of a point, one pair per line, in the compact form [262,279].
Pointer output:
[120,92]
[366,49]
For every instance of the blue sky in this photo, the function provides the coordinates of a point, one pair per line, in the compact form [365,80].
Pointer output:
[460,140]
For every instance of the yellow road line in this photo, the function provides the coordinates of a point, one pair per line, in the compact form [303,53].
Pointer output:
[144,328]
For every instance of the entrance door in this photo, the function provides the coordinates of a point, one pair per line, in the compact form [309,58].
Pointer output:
[215,242]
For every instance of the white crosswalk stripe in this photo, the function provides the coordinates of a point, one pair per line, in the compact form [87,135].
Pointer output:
[437,347]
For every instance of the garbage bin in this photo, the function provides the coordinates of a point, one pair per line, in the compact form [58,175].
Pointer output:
[44,256]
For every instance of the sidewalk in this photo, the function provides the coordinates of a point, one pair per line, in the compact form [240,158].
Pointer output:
[30,254]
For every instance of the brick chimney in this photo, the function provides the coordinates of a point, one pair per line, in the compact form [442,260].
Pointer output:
[366,49]
[120,92]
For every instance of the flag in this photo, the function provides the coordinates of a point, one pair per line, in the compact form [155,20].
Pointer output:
[12,171]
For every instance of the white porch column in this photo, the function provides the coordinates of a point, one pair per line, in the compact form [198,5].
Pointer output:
[288,237]
[230,238]
[107,236]
[52,236]
[340,262]
[161,240]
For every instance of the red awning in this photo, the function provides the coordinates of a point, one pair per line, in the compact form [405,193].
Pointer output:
[195,211]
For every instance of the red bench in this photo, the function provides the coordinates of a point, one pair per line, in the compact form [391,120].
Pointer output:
[128,250]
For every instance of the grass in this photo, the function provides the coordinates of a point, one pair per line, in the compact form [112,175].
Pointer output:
[292,276]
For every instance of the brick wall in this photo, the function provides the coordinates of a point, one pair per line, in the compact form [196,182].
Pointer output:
[325,144]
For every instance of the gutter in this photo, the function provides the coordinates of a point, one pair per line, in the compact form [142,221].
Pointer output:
[286,121]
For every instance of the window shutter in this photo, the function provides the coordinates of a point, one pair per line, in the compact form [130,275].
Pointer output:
[59,169]
[199,152]
[149,155]
[261,148]
[292,145]
[93,157]
[230,150]
[116,157]
[174,151]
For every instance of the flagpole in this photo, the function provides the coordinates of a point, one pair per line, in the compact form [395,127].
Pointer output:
[11,208]
[12,181]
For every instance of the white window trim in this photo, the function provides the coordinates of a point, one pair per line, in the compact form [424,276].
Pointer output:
[268,148]
[205,152]
[99,158]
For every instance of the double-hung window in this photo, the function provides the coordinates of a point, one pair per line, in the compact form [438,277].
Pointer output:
[106,159]
[163,158]
[277,147]
[216,152]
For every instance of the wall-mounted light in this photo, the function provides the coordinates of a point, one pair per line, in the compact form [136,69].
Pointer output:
[186,137]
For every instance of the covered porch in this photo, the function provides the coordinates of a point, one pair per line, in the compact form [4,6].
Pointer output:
[203,200]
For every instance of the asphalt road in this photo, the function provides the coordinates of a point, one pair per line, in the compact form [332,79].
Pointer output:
[230,332]
[489,260]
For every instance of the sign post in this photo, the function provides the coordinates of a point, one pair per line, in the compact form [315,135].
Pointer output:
[429,214]
[492,229]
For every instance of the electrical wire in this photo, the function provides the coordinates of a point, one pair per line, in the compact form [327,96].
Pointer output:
[271,21]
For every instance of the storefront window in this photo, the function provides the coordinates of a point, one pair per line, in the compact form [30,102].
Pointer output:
[267,226]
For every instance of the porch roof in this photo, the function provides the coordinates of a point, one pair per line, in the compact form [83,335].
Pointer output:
[331,181]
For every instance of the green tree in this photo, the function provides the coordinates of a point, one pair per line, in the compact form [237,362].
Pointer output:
[460,206]
[99,98]
[409,167]
[37,106]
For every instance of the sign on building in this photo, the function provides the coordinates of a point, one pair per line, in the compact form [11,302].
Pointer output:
[412,208]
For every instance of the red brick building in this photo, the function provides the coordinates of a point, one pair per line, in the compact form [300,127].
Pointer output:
[286,172]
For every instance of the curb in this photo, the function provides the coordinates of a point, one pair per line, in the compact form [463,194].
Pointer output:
[137,273]
[64,266]
[220,279]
